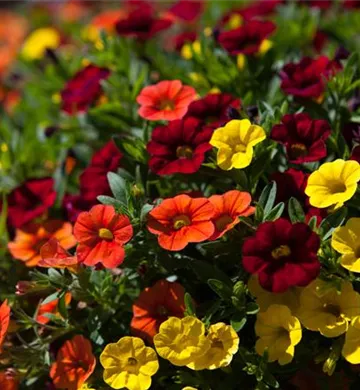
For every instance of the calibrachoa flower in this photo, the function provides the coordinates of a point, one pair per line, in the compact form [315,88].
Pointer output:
[228,208]
[50,307]
[38,41]
[326,310]
[279,332]
[283,255]
[9,380]
[181,341]
[4,321]
[167,100]
[224,344]
[101,234]
[235,142]
[74,364]
[179,147]
[187,10]
[53,255]
[29,240]
[154,305]
[129,364]
[346,240]
[83,89]
[303,137]
[333,183]
[351,348]
[181,220]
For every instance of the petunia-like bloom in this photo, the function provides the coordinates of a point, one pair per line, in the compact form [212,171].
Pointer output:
[235,142]
[180,220]
[83,89]
[247,39]
[303,137]
[181,341]
[333,183]
[326,310]
[351,348]
[187,10]
[306,78]
[9,380]
[74,364]
[167,100]
[154,305]
[101,234]
[38,41]
[346,240]
[29,240]
[129,364]
[53,255]
[228,208]
[4,321]
[279,332]
[283,255]
[30,200]
[50,307]
[224,344]
[179,147]
[142,23]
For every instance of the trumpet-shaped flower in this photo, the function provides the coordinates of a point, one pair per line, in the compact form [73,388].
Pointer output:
[38,41]
[4,321]
[351,348]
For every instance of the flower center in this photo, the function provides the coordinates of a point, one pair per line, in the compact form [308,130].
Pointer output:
[184,152]
[216,343]
[162,311]
[132,361]
[357,252]
[280,251]
[105,234]
[240,148]
[222,222]
[298,150]
[332,309]
[336,187]
[167,105]
[181,221]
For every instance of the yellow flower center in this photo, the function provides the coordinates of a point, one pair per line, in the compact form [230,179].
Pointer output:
[181,221]
[216,343]
[106,234]
[298,150]
[222,222]
[240,148]
[281,251]
[336,187]
[184,152]
[332,309]
[132,361]
[167,105]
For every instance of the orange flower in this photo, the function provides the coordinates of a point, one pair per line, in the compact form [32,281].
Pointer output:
[166,100]
[9,380]
[29,240]
[101,234]
[154,305]
[53,255]
[50,307]
[4,321]
[106,20]
[228,208]
[180,220]
[74,364]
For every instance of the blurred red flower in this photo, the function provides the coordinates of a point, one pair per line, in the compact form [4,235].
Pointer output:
[50,307]
[4,321]
[320,40]
[187,10]
[9,380]
[183,38]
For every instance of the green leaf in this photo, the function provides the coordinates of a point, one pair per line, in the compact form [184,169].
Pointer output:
[62,306]
[189,305]
[252,308]
[109,201]
[296,212]
[221,289]
[276,212]
[238,321]
[118,187]
[267,198]
[313,222]
[206,271]
[331,222]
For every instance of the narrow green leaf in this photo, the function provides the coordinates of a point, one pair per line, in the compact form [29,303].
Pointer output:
[118,187]
[276,212]
[267,197]
[296,212]
[62,306]
[331,222]
[238,321]
[220,288]
[189,305]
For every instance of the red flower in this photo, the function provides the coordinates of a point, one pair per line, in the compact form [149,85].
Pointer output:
[142,23]
[4,321]
[54,255]
[30,200]
[283,255]
[306,78]
[179,147]
[50,307]
[319,41]
[101,234]
[228,208]
[187,10]
[166,100]
[303,137]
[154,305]
[74,364]
[9,380]
[181,220]
[247,38]
[83,89]
[213,108]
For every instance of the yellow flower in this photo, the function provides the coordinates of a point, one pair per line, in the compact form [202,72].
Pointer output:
[224,344]
[189,48]
[265,46]
[85,386]
[346,240]
[351,348]
[181,341]
[235,21]
[128,363]
[326,310]
[235,142]
[189,388]
[333,183]
[38,41]
[279,332]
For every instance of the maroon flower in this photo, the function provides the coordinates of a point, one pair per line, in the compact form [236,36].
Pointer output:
[183,38]
[320,40]
[351,132]
[303,137]
[142,24]
[283,255]
[30,200]
[355,154]
[179,147]
[213,108]
[306,79]
[247,38]
[187,10]
[321,4]
[83,89]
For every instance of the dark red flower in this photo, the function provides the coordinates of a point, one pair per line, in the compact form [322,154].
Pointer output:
[303,137]
[307,78]
[142,24]
[213,108]
[351,133]
[83,89]
[183,38]
[282,255]
[351,4]
[30,200]
[179,147]
[321,4]
[246,39]
[187,10]
[355,154]
[319,41]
